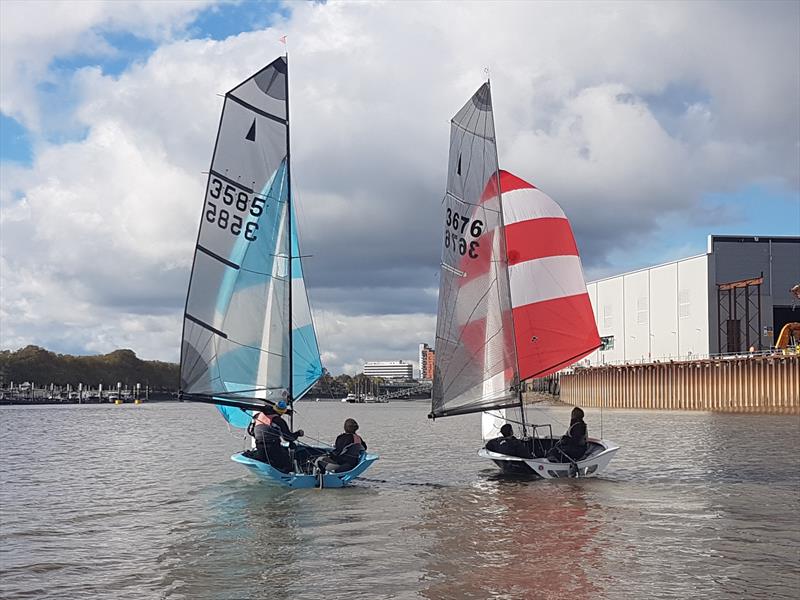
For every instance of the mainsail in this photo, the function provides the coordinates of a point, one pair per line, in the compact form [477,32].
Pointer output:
[512,296]
[244,299]
[475,354]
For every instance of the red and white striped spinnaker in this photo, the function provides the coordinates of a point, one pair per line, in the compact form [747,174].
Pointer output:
[512,297]
[554,323]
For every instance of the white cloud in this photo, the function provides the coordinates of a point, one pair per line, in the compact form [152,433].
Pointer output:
[353,340]
[36,32]
[621,112]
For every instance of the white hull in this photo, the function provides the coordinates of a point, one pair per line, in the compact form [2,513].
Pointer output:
[589,466]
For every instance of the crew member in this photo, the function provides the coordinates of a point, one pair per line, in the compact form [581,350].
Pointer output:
[346,452]
[268,430]
[508,444]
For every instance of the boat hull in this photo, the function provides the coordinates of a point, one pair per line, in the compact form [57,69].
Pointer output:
[540,467]
[272,475]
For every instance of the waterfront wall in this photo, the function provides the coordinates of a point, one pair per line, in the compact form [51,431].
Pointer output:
[765,384]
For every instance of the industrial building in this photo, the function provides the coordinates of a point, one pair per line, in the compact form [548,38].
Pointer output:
[732,299]
[427,361]
[390,369]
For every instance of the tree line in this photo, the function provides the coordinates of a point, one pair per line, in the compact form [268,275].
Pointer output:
[37,365]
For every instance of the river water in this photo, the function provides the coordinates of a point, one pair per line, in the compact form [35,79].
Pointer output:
[142,501]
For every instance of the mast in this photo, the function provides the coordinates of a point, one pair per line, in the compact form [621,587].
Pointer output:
[291,258]
[504,253]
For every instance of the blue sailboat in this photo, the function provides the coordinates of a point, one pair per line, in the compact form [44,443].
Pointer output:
[248,335]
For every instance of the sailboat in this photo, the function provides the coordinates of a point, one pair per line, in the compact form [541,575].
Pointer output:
[512,298]
[248,337]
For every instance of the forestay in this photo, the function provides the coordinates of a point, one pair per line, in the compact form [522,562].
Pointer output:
[475,355]
[237,319]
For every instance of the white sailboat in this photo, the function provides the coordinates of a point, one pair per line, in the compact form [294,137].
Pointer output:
[512,298]
[248,336]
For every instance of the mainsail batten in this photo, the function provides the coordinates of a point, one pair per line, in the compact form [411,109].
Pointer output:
[238,315]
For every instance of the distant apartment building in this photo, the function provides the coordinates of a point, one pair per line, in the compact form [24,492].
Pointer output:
[427,360]
[389,369]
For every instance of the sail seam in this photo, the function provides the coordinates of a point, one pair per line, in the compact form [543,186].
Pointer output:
[224,261]
[475,133]
[206,325]
[475,204]
[232,182]
[258,111]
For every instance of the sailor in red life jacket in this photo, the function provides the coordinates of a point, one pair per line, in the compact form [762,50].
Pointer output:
[268,430]
[346,452]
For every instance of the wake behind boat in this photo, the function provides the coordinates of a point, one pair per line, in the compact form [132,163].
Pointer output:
[512,301]
[248,337]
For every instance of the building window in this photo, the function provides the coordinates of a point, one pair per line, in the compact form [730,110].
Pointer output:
[683,304]
[606,343]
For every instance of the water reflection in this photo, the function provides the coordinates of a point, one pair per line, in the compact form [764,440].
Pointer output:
[235,533]
[512,538]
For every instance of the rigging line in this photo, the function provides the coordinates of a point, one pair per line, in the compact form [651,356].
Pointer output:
[202,214]
[472,356]
[469,320]
[464,366]
[454,288]
[471,113]
[504,258]
[485,138]
[476,205]
[200,354]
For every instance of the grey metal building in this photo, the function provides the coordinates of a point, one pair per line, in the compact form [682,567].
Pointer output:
[734,297]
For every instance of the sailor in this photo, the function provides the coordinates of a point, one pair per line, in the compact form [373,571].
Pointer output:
[346,451]
[508,444]
[573,444]
[268,430]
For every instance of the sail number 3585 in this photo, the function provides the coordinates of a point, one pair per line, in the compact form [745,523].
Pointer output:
[236,201]
[457,228]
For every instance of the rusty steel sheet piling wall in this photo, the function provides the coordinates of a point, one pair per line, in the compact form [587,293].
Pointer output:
[758,384]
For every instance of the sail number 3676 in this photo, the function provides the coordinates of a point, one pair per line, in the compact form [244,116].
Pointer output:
[234,201]
[457,228]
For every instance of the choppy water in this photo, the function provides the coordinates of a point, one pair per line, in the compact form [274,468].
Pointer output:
[143,502]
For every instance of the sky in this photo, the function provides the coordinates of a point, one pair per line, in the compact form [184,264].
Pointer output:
[652,124]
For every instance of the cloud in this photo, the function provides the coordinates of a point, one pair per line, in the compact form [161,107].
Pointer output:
[624,113]
[35,33]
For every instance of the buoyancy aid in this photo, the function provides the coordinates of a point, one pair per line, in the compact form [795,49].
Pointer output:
[273,433]
[263,418]
[354,448]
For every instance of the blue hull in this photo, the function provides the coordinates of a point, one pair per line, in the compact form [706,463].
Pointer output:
[301,480]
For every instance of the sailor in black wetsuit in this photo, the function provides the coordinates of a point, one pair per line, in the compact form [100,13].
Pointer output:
[508,444]
[346,451]
[268,430]
[573,444]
